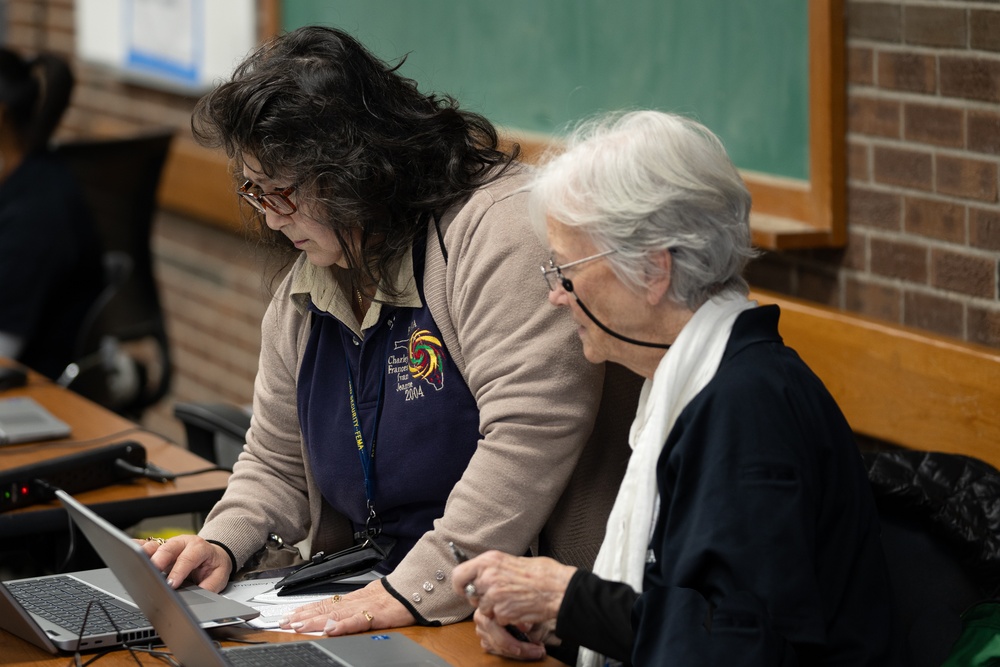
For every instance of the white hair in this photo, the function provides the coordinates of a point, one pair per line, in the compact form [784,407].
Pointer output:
[643,181]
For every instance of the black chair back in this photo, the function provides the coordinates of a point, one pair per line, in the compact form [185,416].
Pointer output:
[119,178]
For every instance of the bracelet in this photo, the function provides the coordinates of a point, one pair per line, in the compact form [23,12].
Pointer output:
[232,558]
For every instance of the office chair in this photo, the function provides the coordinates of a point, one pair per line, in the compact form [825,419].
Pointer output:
[214,431]
[119,178]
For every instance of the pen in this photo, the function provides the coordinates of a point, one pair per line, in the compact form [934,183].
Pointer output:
[460,557]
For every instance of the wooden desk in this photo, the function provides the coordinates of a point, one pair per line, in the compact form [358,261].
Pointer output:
[122,504]
[457,644]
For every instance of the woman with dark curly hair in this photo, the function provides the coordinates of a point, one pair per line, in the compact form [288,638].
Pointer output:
[407,331]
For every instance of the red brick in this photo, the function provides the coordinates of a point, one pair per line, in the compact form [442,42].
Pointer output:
[935,219]
[984,27]
[930,124]
[771,272]
[934,26]
[860,66]
[911,72]
[984,229]
[873,208]
[984,132]
[964,273]
[970,78]
[933,313]
[975,179]
[906,168]
[898,259]
[858,167]
[854,256]
[819,284]
[984,326]
[874,300]
[874,20]
[873,116]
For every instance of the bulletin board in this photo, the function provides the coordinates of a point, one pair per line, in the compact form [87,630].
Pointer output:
[184,46]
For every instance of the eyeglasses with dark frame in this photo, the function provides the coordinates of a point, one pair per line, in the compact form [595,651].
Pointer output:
[277,201]
[553,274]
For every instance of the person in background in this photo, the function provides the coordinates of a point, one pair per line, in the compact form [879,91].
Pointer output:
[409,390]
[745,531]
[50,254]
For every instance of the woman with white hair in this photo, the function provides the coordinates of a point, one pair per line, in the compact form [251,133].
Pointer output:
[744,531]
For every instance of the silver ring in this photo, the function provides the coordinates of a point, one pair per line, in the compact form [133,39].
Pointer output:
[158,540]
[471,591]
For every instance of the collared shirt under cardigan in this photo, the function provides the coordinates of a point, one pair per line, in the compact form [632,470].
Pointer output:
[521,359]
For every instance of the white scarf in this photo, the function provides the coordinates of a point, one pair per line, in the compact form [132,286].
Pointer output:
[683,372]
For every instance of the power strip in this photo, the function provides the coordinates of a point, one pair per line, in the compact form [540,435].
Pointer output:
[91,469]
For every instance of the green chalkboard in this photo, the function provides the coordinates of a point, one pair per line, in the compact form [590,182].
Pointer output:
[740,67]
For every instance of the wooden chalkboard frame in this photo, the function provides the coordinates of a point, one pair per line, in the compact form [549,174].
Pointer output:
[788,213]
[792,214]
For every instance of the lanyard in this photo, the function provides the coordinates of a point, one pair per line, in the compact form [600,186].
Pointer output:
[367,453]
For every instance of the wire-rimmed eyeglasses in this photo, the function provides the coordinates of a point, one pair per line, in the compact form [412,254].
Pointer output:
[553,274]
[277,201]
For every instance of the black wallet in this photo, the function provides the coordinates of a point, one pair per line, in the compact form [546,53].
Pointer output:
[323,572]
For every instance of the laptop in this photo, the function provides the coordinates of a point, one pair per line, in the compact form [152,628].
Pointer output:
[190,644]
[24,420]
[48,611]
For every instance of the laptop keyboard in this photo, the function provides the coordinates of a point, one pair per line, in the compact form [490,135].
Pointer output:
[63,600]
[291,653]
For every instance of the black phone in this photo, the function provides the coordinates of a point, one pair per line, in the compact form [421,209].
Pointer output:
[11,377]
[514,631]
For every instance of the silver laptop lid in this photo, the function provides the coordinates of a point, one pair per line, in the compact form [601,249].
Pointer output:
[190,645]
[147,587]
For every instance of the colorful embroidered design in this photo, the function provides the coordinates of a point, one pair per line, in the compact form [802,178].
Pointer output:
[426,358]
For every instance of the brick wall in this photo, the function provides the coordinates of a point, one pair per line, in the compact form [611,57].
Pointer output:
[923,141]
[924,218]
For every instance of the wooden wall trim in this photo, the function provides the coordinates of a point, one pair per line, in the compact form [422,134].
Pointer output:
[899,384]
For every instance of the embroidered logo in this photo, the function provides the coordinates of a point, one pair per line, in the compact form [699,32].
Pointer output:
[424,361]
[426,358]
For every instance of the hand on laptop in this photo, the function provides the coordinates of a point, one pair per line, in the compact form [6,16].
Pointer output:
[190,558]
[371,608]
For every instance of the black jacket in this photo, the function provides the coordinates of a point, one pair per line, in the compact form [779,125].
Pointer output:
[766,545]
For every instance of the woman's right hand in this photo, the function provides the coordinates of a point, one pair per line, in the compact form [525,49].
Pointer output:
[496,639]
[190,558]
[513,590]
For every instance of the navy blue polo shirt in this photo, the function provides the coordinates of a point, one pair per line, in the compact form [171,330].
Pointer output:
[409,395]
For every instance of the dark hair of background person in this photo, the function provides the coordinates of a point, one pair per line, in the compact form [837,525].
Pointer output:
[321,112]
[35,94]
[19,92]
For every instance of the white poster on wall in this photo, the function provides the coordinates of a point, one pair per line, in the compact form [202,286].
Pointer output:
[181,45]
[163,37]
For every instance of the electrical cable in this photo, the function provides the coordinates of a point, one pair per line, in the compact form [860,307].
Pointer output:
[158,474]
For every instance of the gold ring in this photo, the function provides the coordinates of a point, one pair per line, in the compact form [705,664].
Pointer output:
[336,599]
[368,616]
[158,540]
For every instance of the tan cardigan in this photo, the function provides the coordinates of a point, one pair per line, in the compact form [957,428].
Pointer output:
[537,396]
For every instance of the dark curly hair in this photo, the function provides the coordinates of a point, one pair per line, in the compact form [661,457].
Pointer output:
[318,109]
[19,91]
[36,93]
